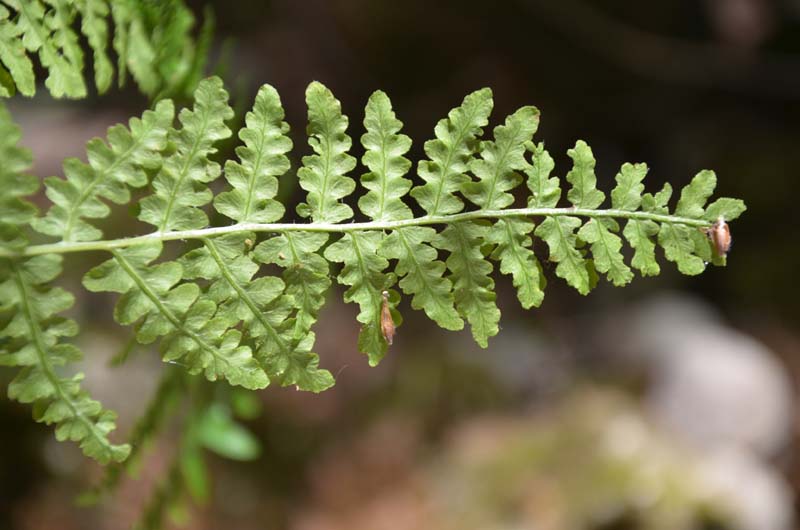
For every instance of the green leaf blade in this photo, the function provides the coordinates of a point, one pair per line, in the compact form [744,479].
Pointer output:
[450,153]
[559,234]
[695,194]
[513,249]
[14,56]
[95,27]
[422,274]
[383,156]
[180,187]
[306,277]
[194,332]
[262,160]
[323,174]
[679,247]
[584,193]
[473,287]
[640,235]
[545,190]
[35,335]
[606,247]
[48,33]
[500,160]
[627,194]
[113,168]
[363,273]
[726,208]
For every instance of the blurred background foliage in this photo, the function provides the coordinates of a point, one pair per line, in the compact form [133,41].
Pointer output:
[668,404]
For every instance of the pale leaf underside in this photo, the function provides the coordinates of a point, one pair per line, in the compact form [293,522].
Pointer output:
[239,301]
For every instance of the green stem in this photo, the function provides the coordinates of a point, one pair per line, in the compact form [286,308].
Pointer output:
[83,246]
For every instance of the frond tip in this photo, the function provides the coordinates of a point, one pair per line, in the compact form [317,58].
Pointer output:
[241,301]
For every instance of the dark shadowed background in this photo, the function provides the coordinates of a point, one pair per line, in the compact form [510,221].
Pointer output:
[668,404]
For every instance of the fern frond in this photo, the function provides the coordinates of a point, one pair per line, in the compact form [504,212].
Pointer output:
[545,190]
[281,348]
[18,72]
[31,332]
[511,237]
[45,32]
[306,277]
[95,27]
[219,309]
[35,334]
[151,39]
[497,176]
[15,183]
[627,195]
[500,160]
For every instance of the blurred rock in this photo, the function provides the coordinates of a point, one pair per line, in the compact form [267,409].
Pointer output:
[719,391]
[593,461]
[758,497]
[712,384]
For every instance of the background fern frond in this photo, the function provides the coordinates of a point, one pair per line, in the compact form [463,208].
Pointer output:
[36,345]
[94,25]
[15,183]
[151,39]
